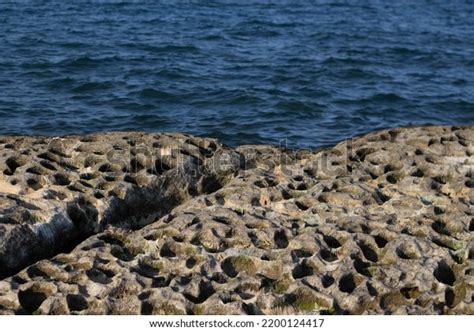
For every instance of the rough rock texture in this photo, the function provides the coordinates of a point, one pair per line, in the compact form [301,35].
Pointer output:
[54,193]
[173,224]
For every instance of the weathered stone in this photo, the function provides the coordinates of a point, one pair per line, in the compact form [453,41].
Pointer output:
[174,224]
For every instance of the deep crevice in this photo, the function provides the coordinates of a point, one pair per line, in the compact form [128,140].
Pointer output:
[81,219]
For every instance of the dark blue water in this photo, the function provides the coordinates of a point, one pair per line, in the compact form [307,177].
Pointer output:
[311,72]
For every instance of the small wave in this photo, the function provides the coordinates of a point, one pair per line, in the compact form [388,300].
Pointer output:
[148,121]
[5,105]
[79,62]
[333,35]
[354,73]
[40,73]
[225,97]
[154,20]
[377,98]
[72,44]
[92,86]
[37,65]
[151,93]
[332,60]
[174,48]
[406,51]
[299,60]
[300,107]
[270,24]
[31,40]
[86,61]
[457,106]
[172,73]
[60,83]
[120,104]
[212,37]
[169,48]
[260,33]
[244,100]
[459,82]
[385,97]
[243,30]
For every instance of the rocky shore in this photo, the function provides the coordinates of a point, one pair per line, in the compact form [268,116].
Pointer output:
[139,223]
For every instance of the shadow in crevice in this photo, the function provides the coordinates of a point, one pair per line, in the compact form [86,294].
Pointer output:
[81,218]
[66,229]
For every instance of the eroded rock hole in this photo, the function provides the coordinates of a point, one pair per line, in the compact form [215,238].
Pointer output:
[327,255]
[61,179]
[440,227]
[444,274]
[418,173]
[327,281]
[302,206]
[88,176]
[392,179]
[380,197]
[15,162]
[160,166]
[368,252]
[48,165]
[302,187]
[191,262]
[380,241]
[362,267]
[76,302]
[34,183]
[347,284]
[297,254]
[302,270]
[410,292]
[36,171]
[122,253]
[166,251]
[363,152]
[266,182]
[331,241]
[99,276]
[30,300]
[219,277]
[280,238]
[205,291]
[106,167]
[371,289]
[401,253]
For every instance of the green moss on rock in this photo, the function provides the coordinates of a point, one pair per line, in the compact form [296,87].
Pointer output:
[306,300]
[240,263]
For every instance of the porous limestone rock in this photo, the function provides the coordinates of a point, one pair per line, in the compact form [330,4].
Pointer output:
[130,223]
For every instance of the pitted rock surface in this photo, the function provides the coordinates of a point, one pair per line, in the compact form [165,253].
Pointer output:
[380,224]
[56,192]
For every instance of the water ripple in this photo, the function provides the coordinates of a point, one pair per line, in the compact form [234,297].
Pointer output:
[304,75]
